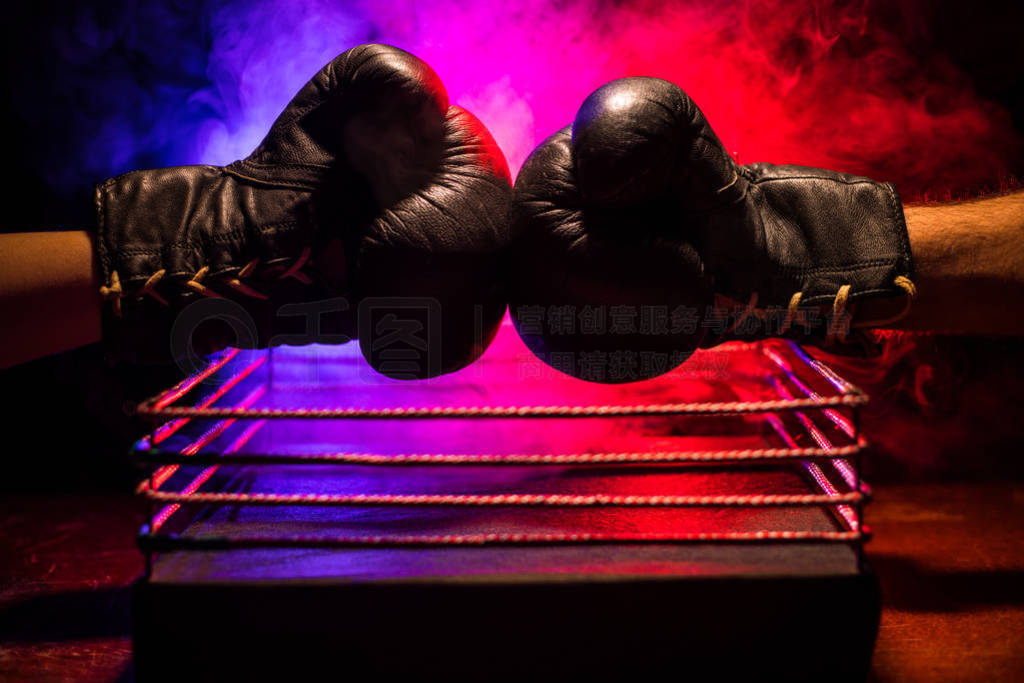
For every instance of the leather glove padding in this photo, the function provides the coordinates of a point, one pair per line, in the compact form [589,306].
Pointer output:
[602,293]
[430,262]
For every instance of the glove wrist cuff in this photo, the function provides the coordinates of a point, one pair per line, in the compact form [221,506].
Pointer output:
[169,239]
[861,244]
[146,222]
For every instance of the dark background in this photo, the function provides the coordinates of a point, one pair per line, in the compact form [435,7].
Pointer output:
[943,407]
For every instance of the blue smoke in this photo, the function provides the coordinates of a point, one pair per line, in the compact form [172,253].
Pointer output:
[106,88]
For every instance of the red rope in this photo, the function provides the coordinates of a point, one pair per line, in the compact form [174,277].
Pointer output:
[502,499]
[419,459]
[720,408]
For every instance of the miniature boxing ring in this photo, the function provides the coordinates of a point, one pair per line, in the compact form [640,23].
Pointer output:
[307,515]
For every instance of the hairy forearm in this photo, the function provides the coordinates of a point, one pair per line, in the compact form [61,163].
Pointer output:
[968,268]
[49,298]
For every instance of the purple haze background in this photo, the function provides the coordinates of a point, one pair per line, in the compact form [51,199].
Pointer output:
[857,86]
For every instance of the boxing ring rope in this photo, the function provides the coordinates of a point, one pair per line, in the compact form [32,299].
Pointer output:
[148,409]
[831,468]
[517,459]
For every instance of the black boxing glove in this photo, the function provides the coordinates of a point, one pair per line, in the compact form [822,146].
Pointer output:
[785,241]
[794,247]
[371,207]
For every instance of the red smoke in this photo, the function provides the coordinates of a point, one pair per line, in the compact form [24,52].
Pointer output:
[852,86]
[828,84]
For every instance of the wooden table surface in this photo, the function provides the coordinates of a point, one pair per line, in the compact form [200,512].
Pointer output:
[950,558]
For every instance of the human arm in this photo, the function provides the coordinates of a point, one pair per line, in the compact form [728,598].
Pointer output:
[49,302]
[968,268]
